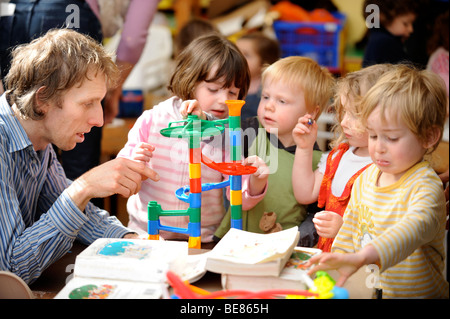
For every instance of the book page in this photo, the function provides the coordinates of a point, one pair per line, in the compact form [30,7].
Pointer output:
[295,268]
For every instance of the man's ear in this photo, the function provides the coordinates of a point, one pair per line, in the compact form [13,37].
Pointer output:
[433,137]
[40,103]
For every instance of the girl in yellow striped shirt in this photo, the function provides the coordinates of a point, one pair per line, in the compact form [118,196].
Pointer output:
[396,215]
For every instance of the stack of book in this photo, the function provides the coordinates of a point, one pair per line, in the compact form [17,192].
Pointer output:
[256,262]
[123,268]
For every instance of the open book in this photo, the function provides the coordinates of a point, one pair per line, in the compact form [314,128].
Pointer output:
[245,253]
[125,268]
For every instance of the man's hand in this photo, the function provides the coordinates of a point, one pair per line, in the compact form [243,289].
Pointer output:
[119,176]
[132,236]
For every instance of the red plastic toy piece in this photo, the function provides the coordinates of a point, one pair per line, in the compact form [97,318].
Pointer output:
[229,168]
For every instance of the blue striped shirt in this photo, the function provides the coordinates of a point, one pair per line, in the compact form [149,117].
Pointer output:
[38,220]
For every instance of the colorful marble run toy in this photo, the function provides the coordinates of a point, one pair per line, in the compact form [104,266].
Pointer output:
[194,130]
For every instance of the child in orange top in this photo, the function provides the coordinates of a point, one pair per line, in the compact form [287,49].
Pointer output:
[348,158]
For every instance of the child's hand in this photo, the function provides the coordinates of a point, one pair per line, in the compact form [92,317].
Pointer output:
[263,170]
[142,152]
[192,107]
[346,264]
[305,132]
[327,223]
[258,180]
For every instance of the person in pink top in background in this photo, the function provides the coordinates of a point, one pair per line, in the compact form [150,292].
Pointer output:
[134,17]
[209,71]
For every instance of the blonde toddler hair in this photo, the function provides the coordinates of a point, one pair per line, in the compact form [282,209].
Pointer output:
[303,73]
[418,96]
[353,86]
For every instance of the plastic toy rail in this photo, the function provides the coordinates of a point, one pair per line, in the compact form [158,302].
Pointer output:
[182,193]
[194,128]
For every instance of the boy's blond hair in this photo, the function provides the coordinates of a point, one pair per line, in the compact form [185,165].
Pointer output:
[418,96]
[353,86]
[303,73]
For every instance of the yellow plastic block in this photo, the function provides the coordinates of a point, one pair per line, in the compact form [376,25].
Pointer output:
[236,197]
[195,170]
[195,242]
[153,237]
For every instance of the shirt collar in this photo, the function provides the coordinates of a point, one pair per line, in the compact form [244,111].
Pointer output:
[18,138]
